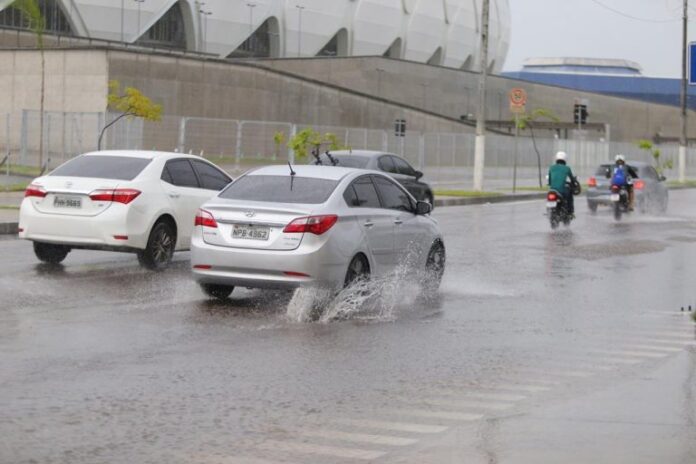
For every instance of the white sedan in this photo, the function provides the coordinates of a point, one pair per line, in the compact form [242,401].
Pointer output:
[283,227]
[134,201]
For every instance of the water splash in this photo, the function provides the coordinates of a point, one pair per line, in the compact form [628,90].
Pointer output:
[374,299]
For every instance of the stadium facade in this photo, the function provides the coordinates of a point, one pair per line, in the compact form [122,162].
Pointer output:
[437,32]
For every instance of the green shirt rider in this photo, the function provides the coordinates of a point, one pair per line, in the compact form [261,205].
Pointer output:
[560,179]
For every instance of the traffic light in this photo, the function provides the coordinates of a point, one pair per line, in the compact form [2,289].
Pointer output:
[580,114]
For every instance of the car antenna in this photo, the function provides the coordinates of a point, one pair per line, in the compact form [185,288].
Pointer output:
[315,153]
[334,161]
[292,175]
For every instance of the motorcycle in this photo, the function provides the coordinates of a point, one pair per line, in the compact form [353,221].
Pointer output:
[557,209]
[619,199]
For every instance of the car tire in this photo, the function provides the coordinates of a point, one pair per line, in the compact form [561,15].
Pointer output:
[160,247]
[219,292]
[50,253]
[358,269]
[435,267]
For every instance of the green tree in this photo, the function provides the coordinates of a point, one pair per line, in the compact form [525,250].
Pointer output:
[34,21]
[527,120]
[130,103]
[308,137]
[278,140]
[660,166]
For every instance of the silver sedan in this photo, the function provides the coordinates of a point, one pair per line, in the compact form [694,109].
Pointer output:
[283,227]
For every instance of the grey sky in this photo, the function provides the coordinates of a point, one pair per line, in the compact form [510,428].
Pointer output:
[553,28]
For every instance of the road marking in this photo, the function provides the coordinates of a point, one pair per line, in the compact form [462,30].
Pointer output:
[632,354]
[664,349]
[323,450]
[359,437]
[662,341]
[486,395]
[524,388]
[462,403]
[447,415]
[620,361]
[394,426]
[671,335]
[554,373]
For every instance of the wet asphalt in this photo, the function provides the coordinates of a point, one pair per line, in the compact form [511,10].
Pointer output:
[540,347]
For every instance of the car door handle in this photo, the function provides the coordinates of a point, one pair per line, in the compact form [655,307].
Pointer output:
[398,222]
[369,223]
[174,195]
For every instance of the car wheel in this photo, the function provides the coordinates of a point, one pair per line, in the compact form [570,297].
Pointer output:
[435,267]
[160,247]
[220,292]
[358,269]
[50,253]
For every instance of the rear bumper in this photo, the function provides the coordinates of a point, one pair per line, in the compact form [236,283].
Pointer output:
[89,232]
[322,266]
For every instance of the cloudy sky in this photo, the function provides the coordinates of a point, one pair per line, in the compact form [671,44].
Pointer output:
[645,31]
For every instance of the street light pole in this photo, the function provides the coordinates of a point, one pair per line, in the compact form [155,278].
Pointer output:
[480,148]
[123,7]
[299,32]
[137,32]
[251,23]
[683,138]
[205,28]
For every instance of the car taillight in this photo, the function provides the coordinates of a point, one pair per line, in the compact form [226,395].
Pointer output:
[205,219]
[316,225]
[551,196]
[615,188]
[592,182]
[639,184]
[34,190]
[124,196]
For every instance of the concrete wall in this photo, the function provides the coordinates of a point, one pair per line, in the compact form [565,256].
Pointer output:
[453,93]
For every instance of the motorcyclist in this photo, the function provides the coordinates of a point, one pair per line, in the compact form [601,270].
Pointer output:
[560,179]
[624,179]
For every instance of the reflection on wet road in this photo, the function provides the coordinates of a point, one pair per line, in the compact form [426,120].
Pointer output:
[534,343]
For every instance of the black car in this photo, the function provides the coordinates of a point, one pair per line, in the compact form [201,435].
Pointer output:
[394,165]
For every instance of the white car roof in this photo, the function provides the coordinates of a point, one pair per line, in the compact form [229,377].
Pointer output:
[317,172]
[149,154]
[367,153]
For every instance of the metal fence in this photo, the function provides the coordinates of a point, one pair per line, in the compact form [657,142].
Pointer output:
[446,158]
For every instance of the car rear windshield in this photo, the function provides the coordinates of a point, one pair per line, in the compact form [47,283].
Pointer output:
[346,161]
[103,167]
[605,170]
[280,189]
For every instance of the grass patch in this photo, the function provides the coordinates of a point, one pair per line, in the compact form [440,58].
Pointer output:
[20,187]
[676,183]
[10,207]
[528,189]
[20,170]
[465,193]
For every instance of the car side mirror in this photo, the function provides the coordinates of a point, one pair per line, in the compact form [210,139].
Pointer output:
[418,174]
[423,208]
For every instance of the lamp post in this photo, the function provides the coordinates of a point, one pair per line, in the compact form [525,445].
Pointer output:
[480,146]
[137,32]
[251,24]
[299,31]
[683,136]
[123,7]
[205,28]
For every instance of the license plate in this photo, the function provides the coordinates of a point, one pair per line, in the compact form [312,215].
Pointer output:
[551,204]
[67,202]
[249,232]
[615,197]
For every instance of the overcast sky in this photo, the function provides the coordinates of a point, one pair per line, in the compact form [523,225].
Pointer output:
[583,28]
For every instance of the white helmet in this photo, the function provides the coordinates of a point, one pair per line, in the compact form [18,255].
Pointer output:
[561,156]
[620,158]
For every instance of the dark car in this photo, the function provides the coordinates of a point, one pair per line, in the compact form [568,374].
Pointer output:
[650,188]
[394,165]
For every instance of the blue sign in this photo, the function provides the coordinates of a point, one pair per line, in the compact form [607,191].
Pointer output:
[692,63]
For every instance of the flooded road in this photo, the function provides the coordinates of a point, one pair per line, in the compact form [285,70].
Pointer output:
[565,346]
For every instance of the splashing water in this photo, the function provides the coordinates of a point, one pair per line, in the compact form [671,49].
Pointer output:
[374,299]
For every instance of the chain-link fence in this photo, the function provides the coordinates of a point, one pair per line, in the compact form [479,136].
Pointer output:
[447,159]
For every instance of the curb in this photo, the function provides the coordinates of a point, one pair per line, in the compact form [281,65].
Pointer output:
[484,200]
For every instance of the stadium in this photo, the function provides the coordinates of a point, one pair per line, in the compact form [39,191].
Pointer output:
[436,32]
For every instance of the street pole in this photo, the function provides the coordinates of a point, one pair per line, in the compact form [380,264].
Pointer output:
[479,151]
[299,33]
[137,32]
[205,29]
[514,165]
[251,23]
[123,7]
[683,139]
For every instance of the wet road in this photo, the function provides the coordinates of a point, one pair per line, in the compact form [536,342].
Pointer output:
[543,346]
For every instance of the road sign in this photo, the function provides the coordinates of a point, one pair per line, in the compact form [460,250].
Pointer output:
[518,97]
[517,109]
[692,63]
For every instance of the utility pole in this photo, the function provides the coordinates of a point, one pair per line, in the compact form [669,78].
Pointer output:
[122,18]
[480,148]
[299,32]
[683,139]
[251,25]
[137,32]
